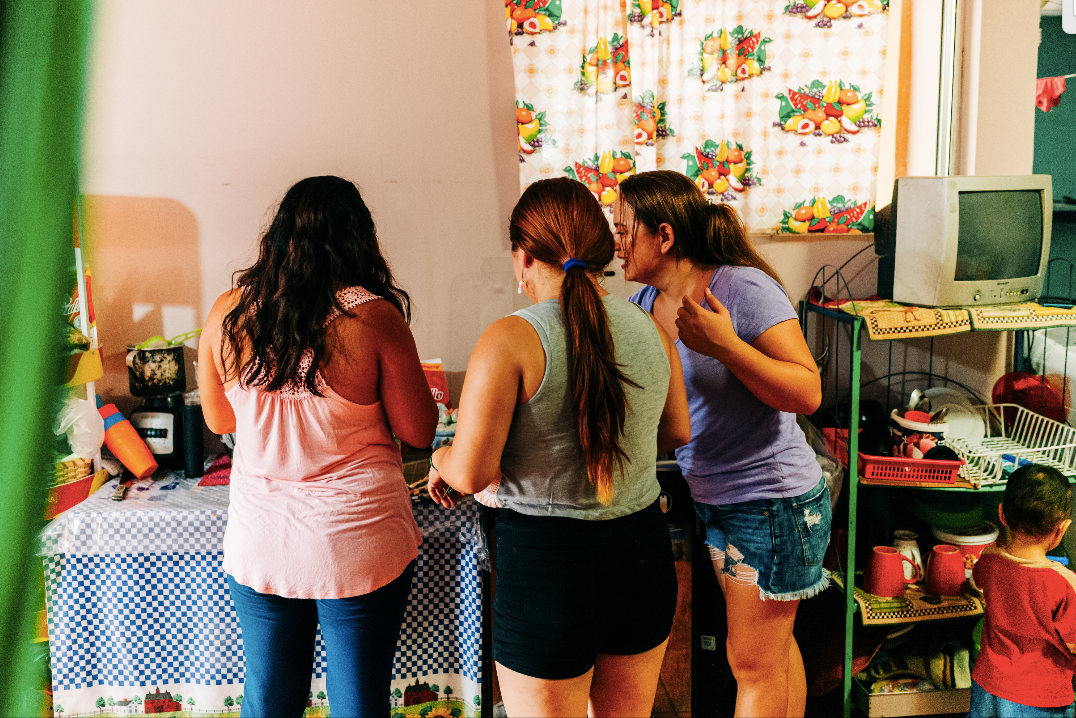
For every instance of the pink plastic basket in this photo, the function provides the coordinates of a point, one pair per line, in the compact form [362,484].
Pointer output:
[899,470]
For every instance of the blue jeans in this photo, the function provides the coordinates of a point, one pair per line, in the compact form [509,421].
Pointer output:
[360,635]
[775,544]
[987,705]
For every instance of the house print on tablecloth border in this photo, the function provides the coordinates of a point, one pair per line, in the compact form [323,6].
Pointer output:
[418,693]
[158,702]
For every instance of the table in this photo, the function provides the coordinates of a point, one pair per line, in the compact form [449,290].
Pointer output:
[140,618]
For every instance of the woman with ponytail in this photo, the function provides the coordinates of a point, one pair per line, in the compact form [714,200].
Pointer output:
[565,407]
[311,363]
[755,481]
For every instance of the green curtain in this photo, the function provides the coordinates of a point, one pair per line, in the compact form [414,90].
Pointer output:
[42,61]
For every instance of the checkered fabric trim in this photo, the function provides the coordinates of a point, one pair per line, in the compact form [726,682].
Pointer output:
[442,630]
[145,618]
[1021,316]
[137,619]
[927,322]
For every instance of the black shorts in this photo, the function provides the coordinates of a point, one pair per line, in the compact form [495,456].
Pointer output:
[569,589]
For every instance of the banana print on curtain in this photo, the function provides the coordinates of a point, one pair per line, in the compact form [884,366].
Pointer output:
[770,105]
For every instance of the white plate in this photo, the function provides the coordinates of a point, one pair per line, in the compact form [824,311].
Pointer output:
[964,420]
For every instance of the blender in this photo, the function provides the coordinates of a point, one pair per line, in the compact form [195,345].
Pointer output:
[156,375]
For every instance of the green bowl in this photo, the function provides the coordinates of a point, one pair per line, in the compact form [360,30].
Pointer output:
[945,509]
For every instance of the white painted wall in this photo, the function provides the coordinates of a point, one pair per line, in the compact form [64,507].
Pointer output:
[200,115]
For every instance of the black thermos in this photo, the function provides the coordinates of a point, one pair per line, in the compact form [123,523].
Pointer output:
[193,453]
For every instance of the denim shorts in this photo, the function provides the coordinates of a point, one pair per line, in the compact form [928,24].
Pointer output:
[569,589]
[776,544]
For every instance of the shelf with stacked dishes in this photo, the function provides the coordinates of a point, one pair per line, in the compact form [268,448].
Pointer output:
[992,440]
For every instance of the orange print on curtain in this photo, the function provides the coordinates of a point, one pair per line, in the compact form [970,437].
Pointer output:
[530,17]
[724,169]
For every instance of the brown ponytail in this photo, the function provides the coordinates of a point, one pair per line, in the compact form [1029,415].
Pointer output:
[708,235]
[556,220]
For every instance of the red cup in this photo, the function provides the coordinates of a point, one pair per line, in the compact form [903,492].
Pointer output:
[945,570]
[885,572]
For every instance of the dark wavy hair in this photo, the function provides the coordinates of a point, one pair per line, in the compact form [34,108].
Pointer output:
[321,240]
[707,234]
[556,220]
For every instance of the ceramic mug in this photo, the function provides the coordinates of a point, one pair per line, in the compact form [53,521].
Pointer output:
[945,570]
[885,572]
[904,541]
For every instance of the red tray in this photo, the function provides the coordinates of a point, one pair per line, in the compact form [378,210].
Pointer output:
[899,470]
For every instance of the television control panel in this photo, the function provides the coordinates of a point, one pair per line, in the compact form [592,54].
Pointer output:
[1001,295]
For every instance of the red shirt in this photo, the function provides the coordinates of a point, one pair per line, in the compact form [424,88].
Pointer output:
[1030,617]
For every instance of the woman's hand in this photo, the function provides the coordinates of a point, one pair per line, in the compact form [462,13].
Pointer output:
[441,492]
[777,366]
[439,489]
[709,332]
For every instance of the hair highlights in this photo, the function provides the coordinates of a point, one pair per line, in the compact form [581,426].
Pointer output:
[555,220]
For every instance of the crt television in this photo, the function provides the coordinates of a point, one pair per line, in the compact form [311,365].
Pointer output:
[960,241]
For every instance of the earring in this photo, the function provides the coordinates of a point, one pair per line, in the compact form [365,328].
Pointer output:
[519,289]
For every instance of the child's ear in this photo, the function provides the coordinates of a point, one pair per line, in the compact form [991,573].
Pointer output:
[1059,533]
[1001,516]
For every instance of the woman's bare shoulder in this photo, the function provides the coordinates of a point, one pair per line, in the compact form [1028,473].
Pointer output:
[226,302]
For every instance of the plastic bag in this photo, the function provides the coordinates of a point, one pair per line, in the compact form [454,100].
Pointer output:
[83,425]
[827,459]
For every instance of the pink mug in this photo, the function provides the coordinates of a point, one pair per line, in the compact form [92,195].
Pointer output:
[945,571]
[885,572]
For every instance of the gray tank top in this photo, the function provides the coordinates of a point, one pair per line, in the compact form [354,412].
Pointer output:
[543,469]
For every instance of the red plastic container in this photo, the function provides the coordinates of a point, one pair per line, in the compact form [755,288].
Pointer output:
[901,470]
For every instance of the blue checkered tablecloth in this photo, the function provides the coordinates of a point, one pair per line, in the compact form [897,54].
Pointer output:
[137,596]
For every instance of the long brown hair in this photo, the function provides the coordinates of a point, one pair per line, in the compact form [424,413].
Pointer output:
[321,240]
[707,234]
[556,220]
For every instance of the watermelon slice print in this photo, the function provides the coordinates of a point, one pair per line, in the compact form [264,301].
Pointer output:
[837,110]
[836,215]
[730,56]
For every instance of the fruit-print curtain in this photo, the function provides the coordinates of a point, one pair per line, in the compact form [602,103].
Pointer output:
[770,105]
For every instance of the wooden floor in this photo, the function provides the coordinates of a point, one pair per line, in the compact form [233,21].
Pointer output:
[673,699]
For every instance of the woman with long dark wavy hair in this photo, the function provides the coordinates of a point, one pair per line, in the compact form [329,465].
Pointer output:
[564,409]
[311,363]
[748,371]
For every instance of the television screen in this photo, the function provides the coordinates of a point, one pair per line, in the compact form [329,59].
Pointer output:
[1000,235]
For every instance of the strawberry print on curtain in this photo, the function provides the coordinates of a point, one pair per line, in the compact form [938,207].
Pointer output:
[769,105]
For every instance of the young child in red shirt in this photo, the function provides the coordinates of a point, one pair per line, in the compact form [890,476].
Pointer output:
[1026,664]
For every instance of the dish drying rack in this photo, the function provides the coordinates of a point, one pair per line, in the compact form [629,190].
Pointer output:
[1014,435]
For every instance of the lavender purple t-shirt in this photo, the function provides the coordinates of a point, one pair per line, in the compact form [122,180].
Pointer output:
[741,449]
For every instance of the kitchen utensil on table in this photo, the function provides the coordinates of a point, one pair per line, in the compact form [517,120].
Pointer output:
[885,572]
[945,570]
[193,450]
[904,541]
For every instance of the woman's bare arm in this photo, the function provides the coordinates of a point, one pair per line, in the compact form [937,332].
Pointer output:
[216,408]
[777,366]
[491,390]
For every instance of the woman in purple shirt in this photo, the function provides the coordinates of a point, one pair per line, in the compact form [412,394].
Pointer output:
[755,481]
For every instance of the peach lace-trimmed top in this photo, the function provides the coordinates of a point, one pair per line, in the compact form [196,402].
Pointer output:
[319,507]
